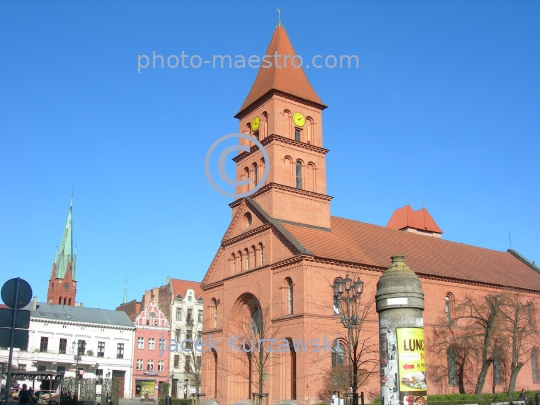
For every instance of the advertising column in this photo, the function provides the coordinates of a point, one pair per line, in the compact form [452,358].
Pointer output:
[400,303]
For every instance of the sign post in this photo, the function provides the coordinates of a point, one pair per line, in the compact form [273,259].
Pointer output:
[16,294]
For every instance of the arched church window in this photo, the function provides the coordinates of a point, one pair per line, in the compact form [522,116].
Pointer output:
[233,264]
[298,134]
[261,254]
[299,174]
[452,366]
[255,175]
[338,356]
[247,259]
[534,365]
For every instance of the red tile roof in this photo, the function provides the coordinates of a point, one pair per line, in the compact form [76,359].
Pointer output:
[405,217]
[372,245]
[181,286]
[289,79]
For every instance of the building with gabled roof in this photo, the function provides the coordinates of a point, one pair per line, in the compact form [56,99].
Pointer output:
[283,250]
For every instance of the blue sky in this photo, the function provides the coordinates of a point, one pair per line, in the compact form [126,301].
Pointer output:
[444,110]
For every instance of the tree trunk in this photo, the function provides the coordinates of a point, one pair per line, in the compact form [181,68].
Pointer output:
[461,377]
[513,377]
[482,378]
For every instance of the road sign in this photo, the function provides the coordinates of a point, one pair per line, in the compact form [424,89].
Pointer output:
[20,338]
[9,290]
[22,318]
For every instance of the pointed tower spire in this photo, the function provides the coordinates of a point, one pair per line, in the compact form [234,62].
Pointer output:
[62,285]
[281,71]
[124,301]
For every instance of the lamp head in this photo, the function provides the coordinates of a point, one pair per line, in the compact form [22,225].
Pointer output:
[348,283]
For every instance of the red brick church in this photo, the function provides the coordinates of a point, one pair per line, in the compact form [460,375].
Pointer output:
[283,250]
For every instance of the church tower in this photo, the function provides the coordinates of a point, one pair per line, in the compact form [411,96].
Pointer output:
[284,113]
[62,288]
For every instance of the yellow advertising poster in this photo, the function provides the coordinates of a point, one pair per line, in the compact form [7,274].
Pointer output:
[412,366]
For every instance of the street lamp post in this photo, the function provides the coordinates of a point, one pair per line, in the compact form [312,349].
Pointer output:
[77,358]
[171,377]
[348,294]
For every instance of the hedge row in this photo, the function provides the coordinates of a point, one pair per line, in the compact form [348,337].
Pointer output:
[176,401]
[486,399]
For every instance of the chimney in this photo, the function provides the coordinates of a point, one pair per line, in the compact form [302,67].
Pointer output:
[34,303]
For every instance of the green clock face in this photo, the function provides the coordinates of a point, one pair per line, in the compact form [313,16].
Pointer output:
[255,124]
[299,119]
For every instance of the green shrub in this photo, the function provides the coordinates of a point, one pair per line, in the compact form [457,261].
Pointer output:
[486,399]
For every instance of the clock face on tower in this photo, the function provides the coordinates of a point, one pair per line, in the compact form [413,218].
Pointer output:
[66,286]
[299,119]
[255,124]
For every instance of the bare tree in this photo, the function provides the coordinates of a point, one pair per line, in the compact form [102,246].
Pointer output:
[519,324]
[256,345]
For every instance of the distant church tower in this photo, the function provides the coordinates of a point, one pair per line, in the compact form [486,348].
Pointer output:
[63,282]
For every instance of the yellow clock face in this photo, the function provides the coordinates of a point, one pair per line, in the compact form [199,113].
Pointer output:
[255,124]
[299,119]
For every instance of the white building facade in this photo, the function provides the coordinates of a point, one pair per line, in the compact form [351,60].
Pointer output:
[69,339]
[186,323]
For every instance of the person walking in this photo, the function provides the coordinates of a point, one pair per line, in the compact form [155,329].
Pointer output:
[24,396]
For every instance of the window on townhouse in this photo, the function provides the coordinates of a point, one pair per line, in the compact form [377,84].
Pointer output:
[151,344]
[177,335]
[178,314]
[187,367]
[101,349]
[176,361]
[62,346]
[161,344]
[199,335]
[189,298]
[139,364]
[150,366]
[41,367]
[189,319]
[81,347]
[120,351]
[199,316]
[43,344]
[140,343]
[189,335]
[161,365]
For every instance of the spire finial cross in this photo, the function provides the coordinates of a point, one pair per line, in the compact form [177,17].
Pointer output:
[279,17]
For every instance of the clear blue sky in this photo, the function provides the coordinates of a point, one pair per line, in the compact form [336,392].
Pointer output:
[444,110]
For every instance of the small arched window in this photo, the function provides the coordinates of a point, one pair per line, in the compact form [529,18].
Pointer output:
[290,296]
[338,356]
[255,175]
[448,307]
[254,250]
[239,262]
[534,365]
[214,312]
[299,174]
[265,125]
[247,260]
[233,264]
[261,254]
